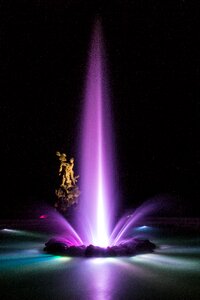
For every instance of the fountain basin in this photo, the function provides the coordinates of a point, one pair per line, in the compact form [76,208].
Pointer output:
[59,246]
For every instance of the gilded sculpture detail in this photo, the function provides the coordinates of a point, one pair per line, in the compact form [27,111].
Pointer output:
[68,191]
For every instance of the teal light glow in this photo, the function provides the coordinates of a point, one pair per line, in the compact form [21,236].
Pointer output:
[168,262]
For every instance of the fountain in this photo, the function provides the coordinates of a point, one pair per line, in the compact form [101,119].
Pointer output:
[95,216]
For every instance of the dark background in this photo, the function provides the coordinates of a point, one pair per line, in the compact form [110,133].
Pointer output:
[152,60]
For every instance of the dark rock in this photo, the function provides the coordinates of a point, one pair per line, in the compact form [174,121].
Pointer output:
[130,248]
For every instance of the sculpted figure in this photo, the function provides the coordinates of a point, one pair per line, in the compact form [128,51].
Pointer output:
[63,165]
[70,179]
[68,192]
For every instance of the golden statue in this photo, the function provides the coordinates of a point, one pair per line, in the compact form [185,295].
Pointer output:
[63,160]
[68,191]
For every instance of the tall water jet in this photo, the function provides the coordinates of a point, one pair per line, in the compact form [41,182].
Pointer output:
[96,152]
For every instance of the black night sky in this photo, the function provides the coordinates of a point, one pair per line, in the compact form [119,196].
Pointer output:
[153,71]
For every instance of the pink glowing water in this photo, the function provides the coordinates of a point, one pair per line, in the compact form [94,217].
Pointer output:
[96,181]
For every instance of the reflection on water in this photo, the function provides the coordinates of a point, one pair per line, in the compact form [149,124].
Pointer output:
[173,271]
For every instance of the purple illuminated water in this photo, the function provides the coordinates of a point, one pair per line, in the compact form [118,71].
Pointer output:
[96,181]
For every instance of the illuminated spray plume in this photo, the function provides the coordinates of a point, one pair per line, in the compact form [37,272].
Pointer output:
[96,174]
[96,211]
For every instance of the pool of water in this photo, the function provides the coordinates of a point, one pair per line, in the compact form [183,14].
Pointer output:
[27,272]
